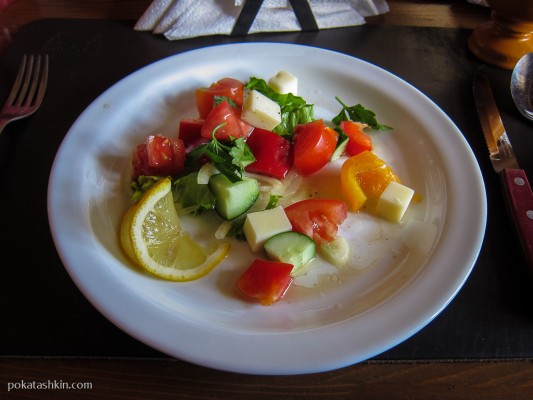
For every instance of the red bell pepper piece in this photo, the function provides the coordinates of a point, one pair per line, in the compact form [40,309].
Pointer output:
[265,281]
[273,153]
[190,132]
[358,140]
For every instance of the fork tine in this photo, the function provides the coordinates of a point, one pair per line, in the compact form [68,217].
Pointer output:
[34,82]
[43,82]
[38,80]
[18,81]
[22,102]
[27,78]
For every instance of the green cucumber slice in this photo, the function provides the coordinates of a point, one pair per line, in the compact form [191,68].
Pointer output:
[341,147]
[291,247]
[233,198]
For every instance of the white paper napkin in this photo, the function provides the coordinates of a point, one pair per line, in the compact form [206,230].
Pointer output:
[181,19]
[478,2]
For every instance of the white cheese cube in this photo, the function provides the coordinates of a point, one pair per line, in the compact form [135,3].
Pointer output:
[262,225]
[394,201]
[284,82]
[259,111]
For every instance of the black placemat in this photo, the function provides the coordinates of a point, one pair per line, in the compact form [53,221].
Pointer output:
[43,312]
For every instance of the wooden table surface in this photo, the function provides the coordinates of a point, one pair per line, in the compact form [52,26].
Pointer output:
[166,378]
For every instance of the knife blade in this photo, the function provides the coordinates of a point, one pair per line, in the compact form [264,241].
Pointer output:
[515,185]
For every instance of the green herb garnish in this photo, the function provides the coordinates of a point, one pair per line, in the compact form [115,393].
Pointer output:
[294,109]
[229,157]
[141,184]
[358,113]
[221,99]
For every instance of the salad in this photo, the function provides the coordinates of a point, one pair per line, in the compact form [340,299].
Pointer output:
[245,159]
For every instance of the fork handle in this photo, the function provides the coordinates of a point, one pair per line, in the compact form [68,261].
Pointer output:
[3,123]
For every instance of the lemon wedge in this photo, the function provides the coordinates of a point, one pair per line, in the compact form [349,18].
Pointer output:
[125,237]
[151,235]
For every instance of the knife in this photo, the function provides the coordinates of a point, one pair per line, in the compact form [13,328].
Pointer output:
[516,188]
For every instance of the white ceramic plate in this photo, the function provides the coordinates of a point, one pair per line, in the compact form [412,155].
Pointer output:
[402,275]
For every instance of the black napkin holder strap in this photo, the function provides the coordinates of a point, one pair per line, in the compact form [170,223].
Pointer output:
[301,9]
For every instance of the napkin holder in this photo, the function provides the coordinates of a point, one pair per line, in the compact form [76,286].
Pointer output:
[184,19]
[301,9]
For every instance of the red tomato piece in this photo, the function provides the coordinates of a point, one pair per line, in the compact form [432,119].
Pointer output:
[314,144]
[140,161]
[265,281]
[159,156]
[247,129]
[222,114]
[358,140]
[225,87]
[273,155]
[190,131]
[317,218]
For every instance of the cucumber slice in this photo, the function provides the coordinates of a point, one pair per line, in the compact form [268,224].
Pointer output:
[233,198]
[291,247]
[336,252]
[341,147]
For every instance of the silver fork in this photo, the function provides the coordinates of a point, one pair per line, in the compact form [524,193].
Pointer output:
[28,90]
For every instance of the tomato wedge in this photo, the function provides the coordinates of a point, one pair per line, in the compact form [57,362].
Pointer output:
[314,144]
[222,114]
[159,156]
[231,88]
[358,140]
[317,218]
[273,155]
[265,281]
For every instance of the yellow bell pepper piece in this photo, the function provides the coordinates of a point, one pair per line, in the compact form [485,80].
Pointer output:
[364,177]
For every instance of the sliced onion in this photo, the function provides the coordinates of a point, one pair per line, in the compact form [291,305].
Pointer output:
[205,173]
[223,230]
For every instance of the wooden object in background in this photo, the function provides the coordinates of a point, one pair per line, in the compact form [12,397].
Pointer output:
[508,36]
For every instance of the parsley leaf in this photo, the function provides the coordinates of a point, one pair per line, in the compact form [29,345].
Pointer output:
[220,99]
[358,113]
[229,158]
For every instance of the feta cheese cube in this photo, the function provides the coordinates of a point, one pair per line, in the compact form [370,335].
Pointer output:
[394,201]
[262,225]
[259,111]
[284,82]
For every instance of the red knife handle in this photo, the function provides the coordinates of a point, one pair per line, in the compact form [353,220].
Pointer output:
[520,205]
